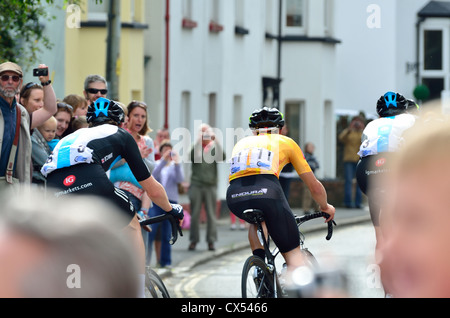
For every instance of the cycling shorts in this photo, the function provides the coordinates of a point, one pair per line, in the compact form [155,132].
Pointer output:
[89,179]
[370,172]
[264,192]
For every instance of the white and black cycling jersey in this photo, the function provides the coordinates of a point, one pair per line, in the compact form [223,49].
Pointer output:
[103,145]
[384,134]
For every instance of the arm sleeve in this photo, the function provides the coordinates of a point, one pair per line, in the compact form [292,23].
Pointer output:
[298,160]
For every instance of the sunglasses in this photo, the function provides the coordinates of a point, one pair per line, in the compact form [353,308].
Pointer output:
[65,106]
[95,91]
[15,78]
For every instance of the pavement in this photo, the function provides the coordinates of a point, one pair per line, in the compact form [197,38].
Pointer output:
[229,241]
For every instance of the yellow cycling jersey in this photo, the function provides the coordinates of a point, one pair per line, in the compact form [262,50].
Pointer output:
[266,154]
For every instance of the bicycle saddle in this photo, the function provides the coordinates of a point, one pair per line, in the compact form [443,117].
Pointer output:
[254,215]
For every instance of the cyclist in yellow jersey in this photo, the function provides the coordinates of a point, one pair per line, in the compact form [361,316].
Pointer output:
[256,163]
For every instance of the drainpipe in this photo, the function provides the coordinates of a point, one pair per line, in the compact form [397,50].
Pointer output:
[166,71]
[419,22]
[280,17]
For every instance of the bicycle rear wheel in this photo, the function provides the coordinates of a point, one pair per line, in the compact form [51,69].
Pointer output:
[154,285]
[257,281]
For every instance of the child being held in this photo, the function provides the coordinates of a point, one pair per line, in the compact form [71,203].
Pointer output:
[40,148]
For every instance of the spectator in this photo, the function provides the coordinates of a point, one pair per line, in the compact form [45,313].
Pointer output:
[95,86]
[314,165]
[15,121]
[162,135]
[78,103]
[63,116]
[40,140]
[351,138]
[414,217]
[121,175]
[169,173]
[80,108]
[53,248]
[205,155]
[32,97]
[79,122]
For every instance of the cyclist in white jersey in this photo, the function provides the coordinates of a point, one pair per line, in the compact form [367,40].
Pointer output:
[79,163]
[381,137]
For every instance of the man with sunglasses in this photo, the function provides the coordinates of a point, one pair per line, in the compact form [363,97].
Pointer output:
[95,86]
[15,125]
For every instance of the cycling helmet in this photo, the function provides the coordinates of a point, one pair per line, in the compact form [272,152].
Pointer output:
[266,118]
[103,110]
[391,104]
[412,106]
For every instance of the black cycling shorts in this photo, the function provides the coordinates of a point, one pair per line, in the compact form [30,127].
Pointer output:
[264,192]
[370,172]
[89,179]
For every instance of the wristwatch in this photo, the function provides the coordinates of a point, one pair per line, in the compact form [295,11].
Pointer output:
[46,83]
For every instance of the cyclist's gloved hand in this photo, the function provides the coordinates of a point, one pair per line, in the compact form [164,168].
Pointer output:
[177,211]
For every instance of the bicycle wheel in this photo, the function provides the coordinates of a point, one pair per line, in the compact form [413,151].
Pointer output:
[154,285]
[257,281]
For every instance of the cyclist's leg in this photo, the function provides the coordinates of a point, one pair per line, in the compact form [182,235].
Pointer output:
[265,193]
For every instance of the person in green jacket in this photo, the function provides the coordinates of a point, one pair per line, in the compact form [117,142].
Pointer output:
[205,155]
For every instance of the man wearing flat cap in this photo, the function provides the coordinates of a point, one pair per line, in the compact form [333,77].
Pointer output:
[15,125]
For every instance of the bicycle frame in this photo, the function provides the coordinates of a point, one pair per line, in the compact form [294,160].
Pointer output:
[257,216]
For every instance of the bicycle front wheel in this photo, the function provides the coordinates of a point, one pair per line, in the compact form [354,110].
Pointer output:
[155,287]
[257,281]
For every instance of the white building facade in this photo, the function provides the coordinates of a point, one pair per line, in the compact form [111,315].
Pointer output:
[226,58]
[390,46]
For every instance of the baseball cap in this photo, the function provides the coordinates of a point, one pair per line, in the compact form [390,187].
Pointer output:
[11,67]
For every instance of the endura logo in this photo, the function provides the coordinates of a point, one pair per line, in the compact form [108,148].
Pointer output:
[262,191]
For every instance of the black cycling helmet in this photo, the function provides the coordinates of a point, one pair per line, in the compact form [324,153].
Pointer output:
[391,104]
[266,118]
[104,110]
[412,106]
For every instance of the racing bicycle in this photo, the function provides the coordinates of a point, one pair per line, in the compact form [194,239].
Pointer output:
[260,279]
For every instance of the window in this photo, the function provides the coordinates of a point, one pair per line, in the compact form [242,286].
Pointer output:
[186,110]
[270,12]
[212,110]
[239,12]
[215,11]
[98,10]
[237,112]
[433,50]
[435,85]
[295,12]
[294,116]
[187,9]
[328,18]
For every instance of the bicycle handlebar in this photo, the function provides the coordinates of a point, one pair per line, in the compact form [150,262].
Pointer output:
[307,217]
[174,222]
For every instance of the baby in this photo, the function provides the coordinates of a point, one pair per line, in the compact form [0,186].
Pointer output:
[48,129]
[42,139]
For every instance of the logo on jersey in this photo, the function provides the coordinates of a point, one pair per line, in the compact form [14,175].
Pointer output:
[68,181]
[107,157]
[380,162]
